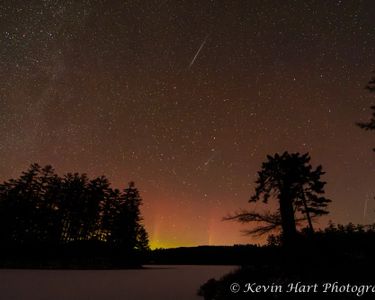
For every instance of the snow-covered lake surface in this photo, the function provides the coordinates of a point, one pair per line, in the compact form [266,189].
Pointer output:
[174,282]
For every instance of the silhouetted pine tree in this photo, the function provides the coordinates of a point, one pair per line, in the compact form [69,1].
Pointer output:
[9,213]
[128,231]
[27,204]
[73,203]
[142,239]
[47,219]
[371,124]
[97,191]
[109,208]
[290,179]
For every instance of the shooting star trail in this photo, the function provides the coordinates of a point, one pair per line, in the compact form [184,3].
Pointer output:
[197,53]
[204,166]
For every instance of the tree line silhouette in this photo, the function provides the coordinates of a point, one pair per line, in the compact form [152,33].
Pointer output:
[42,208]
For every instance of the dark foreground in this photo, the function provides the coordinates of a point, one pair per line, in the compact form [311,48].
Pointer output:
[330,265]
[76,255]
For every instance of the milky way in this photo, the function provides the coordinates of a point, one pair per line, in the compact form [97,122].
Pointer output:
[105,87]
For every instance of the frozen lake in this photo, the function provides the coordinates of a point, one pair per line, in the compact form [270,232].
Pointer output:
[156,282]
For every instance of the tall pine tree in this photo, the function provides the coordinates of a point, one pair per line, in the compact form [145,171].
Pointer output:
[128,231]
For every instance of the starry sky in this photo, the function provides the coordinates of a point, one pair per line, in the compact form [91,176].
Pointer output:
[187,98]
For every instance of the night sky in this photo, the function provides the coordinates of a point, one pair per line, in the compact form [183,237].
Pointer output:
[187,98]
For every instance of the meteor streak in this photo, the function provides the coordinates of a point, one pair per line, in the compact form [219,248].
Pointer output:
[197,53]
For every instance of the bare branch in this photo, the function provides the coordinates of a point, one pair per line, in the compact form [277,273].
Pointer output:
[269,221]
